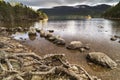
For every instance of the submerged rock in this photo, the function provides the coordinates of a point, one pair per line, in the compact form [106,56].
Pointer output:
[75,45]
[59,41]
[102,59]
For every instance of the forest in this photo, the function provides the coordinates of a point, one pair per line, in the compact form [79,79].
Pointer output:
[18,11]
[113,12]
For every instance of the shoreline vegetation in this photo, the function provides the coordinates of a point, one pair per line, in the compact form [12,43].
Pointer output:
[70,17]
[113,12]
[17,12]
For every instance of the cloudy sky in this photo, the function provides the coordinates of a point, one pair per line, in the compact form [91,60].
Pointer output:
[51,3]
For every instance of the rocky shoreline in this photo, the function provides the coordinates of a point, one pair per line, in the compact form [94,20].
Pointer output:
[8,45]
[20,63]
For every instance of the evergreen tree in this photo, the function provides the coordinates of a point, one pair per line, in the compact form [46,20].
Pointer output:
[113,12]
[9,12]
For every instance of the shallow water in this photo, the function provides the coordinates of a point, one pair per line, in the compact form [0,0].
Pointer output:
[95,32]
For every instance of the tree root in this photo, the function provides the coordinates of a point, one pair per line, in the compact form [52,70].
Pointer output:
[31,64]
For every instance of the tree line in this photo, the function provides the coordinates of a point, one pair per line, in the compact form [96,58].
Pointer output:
[18,11]
[113,12]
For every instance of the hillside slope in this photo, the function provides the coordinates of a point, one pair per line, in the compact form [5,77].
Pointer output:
[113,12]
[75,12]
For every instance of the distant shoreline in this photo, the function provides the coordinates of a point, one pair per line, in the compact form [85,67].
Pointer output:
[113,18]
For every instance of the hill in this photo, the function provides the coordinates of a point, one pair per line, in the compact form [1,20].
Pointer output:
[17,12]
[113,12]
[75,12]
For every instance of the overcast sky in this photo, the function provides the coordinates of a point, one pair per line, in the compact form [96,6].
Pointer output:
[51,3]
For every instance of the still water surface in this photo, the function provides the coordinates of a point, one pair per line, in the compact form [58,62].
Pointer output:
[95,32]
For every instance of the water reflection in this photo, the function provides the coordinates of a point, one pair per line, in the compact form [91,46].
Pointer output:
[89,29]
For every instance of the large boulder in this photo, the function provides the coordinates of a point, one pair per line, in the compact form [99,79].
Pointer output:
[75,45]
[102,59]
[32,31]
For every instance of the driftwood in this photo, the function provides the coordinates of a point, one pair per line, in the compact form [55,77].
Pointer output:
[31,64]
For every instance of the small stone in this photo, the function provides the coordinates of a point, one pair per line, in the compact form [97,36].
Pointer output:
[42,33]
[75,45]
[1,45]
[36,78]
[25,29]
[51,31]
[74,68]
[82,50]
[19,46]
[113,38]
[95,78]
[116,36]
[32,31]
[119,41]
[48,35]
[19,29]
[51,38]
[60,79]
[87,47]
[38,29]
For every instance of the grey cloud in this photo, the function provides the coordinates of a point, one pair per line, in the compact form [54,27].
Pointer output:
[51,3]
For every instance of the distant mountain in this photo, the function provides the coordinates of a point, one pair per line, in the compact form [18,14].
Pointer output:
[113,12]
[75,12]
